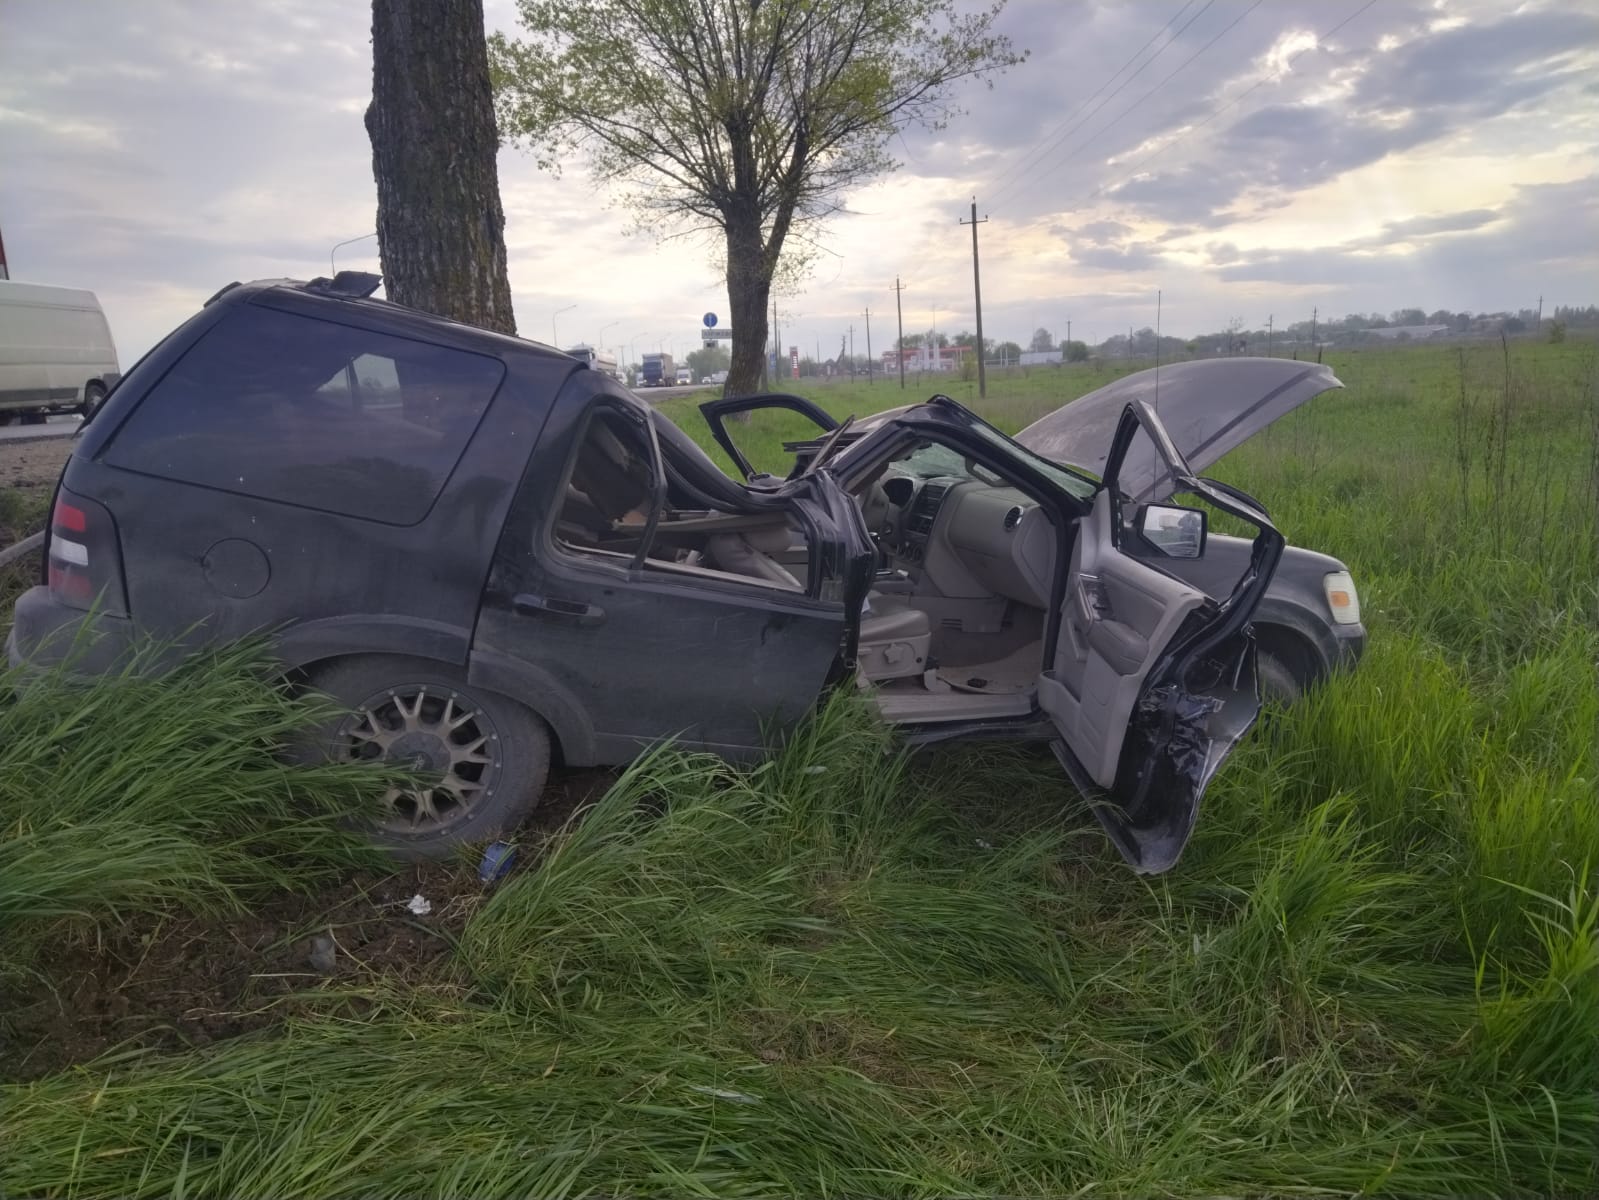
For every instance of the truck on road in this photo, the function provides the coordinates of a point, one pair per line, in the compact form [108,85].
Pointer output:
[597,360]
[657,371]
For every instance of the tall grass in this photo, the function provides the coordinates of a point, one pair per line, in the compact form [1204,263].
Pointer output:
[151,790]
[844,972]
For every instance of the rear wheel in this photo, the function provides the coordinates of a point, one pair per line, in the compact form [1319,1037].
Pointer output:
[35,418]
[481,759]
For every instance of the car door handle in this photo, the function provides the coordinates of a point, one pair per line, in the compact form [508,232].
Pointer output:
[549,606]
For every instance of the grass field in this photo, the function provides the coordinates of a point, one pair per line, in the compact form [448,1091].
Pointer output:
[1375,970]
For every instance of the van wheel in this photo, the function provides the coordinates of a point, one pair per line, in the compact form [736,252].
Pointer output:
[33,418]
[93,393]
[5,418]
[481,759]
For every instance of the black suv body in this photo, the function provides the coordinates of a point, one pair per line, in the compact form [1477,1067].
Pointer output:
[496,559]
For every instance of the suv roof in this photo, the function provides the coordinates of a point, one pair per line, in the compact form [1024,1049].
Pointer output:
[321,291]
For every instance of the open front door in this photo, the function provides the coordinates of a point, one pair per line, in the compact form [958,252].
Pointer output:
[1153,682]
[768,421]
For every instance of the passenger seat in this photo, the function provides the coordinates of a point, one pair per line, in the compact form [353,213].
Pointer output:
[895,639]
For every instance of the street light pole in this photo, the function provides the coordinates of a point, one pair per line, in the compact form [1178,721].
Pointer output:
[603,328]
[555,339]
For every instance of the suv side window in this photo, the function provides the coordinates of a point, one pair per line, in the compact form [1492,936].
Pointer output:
[307,412]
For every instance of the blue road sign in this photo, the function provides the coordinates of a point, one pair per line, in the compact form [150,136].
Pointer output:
[710,320]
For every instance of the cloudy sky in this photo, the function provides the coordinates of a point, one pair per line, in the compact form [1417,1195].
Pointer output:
[1249,159]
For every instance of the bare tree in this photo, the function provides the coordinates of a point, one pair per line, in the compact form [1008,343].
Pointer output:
[441,231]
[748,118]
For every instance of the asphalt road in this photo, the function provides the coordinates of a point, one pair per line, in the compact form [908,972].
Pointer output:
[59,426]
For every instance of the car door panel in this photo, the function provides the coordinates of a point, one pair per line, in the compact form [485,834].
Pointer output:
[647,650]
[1152,682]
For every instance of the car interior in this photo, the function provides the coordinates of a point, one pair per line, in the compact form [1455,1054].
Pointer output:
[954,625]
[611,489]
[953,628]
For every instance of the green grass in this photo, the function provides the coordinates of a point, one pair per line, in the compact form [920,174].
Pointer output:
[21,513]
[1375,971]
[143,793]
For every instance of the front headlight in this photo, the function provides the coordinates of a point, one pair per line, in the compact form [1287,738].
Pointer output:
[1342,598]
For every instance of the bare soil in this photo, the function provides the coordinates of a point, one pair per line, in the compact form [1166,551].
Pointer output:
[32,465]
[169,981]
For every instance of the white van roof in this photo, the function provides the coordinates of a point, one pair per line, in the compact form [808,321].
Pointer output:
[14,291]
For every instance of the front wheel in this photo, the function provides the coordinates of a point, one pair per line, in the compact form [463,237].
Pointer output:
[1278,684]
[481,760]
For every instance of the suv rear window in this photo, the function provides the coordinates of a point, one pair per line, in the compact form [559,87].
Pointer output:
[307,412]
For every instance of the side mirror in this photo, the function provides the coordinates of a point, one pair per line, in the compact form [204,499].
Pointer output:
[1172,531]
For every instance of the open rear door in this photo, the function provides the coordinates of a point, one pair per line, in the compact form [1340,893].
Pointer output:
[1153,682]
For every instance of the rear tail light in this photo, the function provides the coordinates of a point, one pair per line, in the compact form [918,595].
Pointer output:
[84,565]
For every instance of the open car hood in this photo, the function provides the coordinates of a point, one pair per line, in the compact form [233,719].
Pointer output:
[1209,406]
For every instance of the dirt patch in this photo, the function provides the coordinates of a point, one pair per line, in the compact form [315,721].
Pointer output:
[171,981]
[27,465]
[165,981]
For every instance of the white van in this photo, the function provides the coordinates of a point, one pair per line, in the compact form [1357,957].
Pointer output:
[56,353]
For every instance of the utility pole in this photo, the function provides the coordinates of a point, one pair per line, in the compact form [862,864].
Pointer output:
[777,343]
[868,345]
[977,295]
[1539,325]
[1068,335]
[899,346]
[1129,343]
[1313,313]
[852,352]
[1269,319]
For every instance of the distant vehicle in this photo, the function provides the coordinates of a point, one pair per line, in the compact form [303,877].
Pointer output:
[56,353]
[597,360]
[684,376]
[717,377]
[656,371]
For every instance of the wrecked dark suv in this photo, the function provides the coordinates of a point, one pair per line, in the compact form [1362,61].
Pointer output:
[495,559]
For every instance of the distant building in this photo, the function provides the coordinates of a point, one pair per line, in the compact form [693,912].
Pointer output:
[1055,357]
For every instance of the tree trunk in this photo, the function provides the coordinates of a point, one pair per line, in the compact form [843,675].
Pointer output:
[441,231]
[748,287]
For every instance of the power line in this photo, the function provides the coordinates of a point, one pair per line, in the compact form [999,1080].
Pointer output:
[1117,119]
[1233,103]
[1055,141]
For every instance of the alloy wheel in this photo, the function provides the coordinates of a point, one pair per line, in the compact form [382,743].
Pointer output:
[449,742]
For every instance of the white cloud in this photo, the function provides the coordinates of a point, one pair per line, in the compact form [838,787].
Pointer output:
[215,142]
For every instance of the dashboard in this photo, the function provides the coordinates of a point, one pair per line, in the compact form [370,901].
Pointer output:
[966,537]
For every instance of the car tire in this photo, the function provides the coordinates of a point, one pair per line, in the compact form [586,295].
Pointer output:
[1278,684]
[5,418]
[93,393]
[35,418]
[489,753]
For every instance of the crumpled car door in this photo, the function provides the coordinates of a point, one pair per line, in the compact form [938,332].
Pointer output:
[1153,682]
